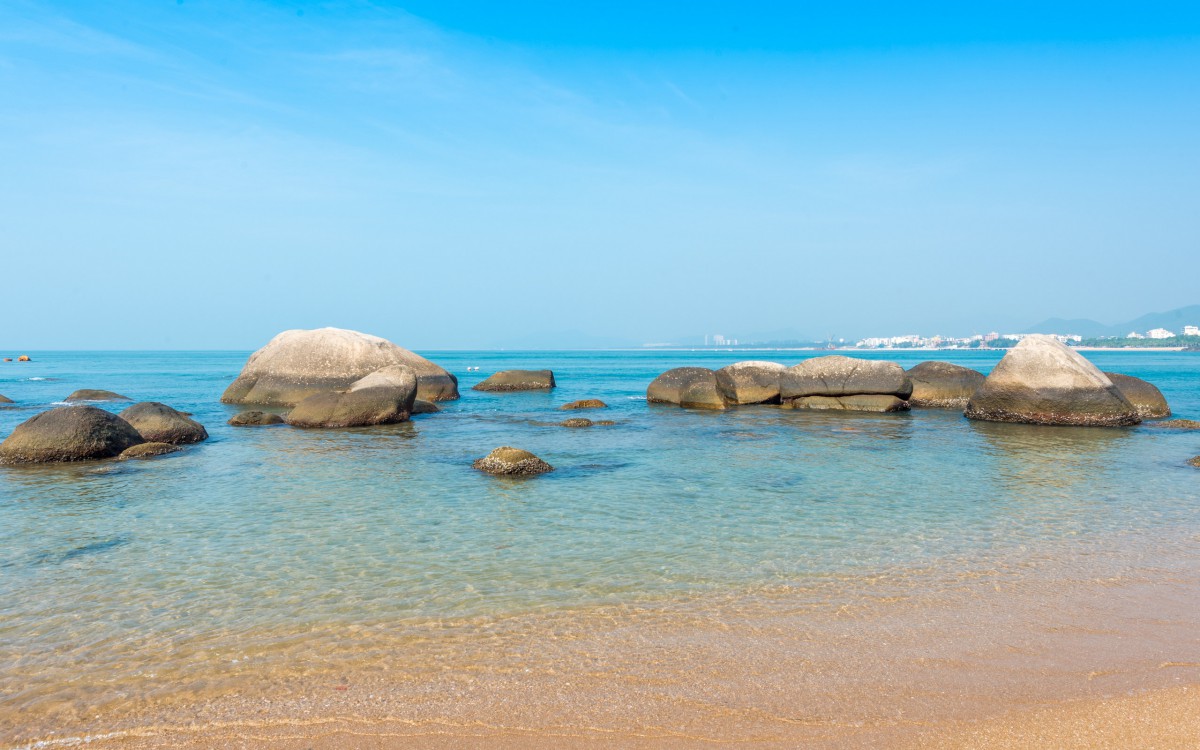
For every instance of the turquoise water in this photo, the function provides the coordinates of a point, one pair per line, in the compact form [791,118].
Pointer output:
[259,535]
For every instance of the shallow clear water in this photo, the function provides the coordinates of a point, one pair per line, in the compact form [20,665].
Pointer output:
[259,535]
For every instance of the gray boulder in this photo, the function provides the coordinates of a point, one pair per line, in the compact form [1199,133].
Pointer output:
[383,397]
[508,461]
[859,402]
[297,364]
[689,387]
[1042,381]
[69,433]
[159,423]
[254,419]
[148,450]
[587,403]
[90,394]
[1145,397]
[517,380]
[941,385]
[750,382]
[829,382]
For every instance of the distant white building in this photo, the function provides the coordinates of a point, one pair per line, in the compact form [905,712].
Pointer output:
[1191,330]
[1135,335]
[1159,333]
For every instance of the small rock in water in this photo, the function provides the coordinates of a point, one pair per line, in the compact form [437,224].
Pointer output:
[159,423]
[587,403]
[512,462]
[605,423]
[1195,462]
[5,399]
[24,358]
[254,419]
[148,450]
[91,394]
[1177,424]
[577,422]
[517,380]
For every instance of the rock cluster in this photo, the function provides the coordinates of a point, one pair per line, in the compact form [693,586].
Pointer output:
[941,385]
[845,383]
[517,380]
[1042,381]
[297,364]
[508,461]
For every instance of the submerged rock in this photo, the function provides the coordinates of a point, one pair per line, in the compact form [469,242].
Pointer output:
[1145,397]
[383,397]
[517,380]
[69,433]
[750,382]
[587,403]
[1042,381]
[297,364]
[512,462]
[148,450]
[159,423]
[254,419]
[873,402]
[689,387]
[1195,462]
[941,385]
[577,422]
[1178,424]
[90,394]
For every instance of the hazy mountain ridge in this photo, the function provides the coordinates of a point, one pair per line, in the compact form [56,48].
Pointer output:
[1172,320]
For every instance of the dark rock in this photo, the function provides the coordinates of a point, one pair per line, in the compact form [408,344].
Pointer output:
[941,385]
[69,433]
[89,394]
[254,419]
[587,403]
[836,375]
[159,423]
[750,382]
[148,450]
[689,387]
[24,358]
[874,402]
[512,462]
[297,364]
[1178,424]
[383,397]
[1042,381]
[424,407]
[5,399]
[577,422]
[518,380]
[1145,397]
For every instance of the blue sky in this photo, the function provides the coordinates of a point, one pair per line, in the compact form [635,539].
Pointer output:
[205,174]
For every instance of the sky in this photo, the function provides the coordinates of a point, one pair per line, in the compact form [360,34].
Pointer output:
[203,175]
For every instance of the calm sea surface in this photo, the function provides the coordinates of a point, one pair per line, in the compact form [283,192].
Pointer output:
[111,573]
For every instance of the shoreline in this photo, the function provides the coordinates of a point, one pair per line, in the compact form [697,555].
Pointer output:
[987,655]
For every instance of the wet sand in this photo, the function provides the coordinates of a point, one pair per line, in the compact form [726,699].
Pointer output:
[1002,658]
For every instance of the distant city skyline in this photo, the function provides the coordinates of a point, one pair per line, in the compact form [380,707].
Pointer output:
[205,174]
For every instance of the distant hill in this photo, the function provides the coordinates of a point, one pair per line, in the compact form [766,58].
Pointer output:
[1172,320]
[1082,326]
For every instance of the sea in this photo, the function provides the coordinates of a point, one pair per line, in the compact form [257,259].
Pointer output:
[282,550]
